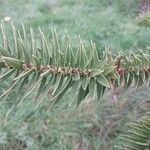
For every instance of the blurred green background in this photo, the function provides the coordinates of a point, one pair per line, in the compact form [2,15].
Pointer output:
[92,126]
[106,22]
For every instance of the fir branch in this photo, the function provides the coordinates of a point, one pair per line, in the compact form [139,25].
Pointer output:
[50,67]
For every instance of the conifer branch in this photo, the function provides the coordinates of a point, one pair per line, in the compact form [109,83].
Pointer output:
[50,67]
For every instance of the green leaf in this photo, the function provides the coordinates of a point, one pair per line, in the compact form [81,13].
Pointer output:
[41,87]
[4,35]
[25,74]
[100,91]
[109,70]
[95,72]
[4,52]
[101,79]
[33,87]
[58,84]
[33,42]
[55,47]
[128,79]
[37,61]
[68,54]
[59,95]
[44,48]
[82,54]
[25,51]
[20,47]
[15,38]
[9,89]
[12,62]
[93,89]
[85,82]
[82,94]
[7,74]
[75,90]
[94,63]
[46,91]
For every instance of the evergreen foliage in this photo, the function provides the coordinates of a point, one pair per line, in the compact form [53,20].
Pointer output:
[37,72]
[138,135]
[48,68]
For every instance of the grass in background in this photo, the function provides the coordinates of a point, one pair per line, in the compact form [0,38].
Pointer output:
[105,22]
[90,127]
